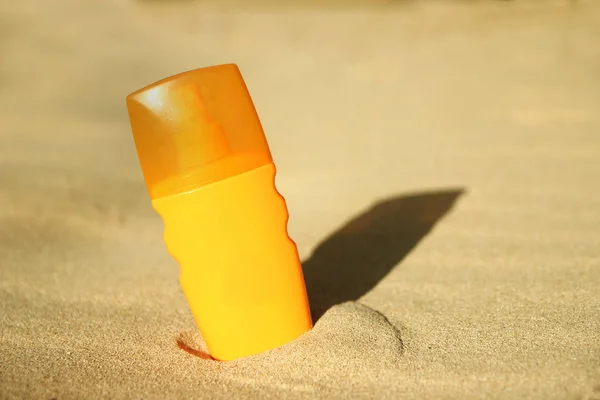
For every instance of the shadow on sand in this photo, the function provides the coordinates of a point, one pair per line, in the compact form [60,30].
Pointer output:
[353,259]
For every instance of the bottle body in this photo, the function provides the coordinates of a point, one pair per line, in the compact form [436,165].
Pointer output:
[240,271]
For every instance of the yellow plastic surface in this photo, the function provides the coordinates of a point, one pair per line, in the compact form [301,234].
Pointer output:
[240,271]
[210,175]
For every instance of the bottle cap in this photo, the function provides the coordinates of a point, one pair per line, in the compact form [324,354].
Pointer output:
[196,128]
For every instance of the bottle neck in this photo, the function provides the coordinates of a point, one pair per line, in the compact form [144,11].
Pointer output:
[224,168]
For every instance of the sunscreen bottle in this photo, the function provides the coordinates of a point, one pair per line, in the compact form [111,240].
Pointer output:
[211,177]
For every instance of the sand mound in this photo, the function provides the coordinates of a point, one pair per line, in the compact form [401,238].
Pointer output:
[350,341]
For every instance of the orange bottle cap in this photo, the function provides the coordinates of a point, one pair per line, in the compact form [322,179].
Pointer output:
[196,128]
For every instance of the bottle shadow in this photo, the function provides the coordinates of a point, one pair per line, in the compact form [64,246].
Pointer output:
[356,257]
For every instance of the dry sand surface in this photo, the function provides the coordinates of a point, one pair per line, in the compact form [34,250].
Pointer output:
[440,160]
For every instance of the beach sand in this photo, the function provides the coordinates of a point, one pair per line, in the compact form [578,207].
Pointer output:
[441,165]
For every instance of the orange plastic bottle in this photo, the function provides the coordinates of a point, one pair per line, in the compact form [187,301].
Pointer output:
[210,175]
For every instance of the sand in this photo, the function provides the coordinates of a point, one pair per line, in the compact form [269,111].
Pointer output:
[441,164]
